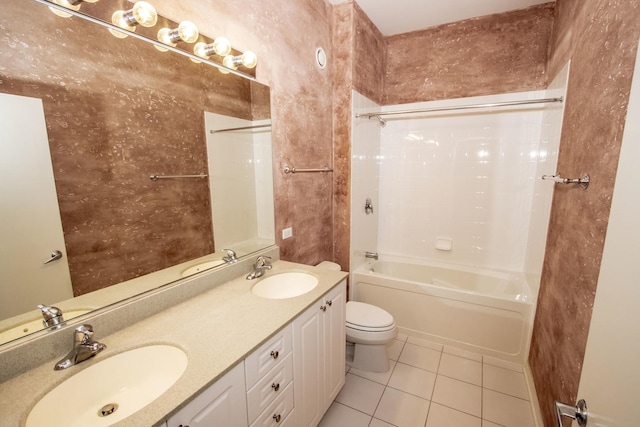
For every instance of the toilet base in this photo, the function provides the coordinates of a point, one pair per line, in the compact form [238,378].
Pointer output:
[372,358]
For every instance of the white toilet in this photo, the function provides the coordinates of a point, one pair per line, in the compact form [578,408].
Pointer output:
[370,328]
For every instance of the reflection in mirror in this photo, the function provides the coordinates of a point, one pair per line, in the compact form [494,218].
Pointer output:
[86,119]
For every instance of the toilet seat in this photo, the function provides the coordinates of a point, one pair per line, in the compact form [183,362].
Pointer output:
[368,318]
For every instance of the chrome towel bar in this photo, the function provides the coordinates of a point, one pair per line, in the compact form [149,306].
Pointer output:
[157,177]
[584,181]
[292,170]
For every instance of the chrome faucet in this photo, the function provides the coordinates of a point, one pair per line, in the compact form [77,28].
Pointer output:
[372,255]
[52,316]
[261,265]
[83,348]
[231,256]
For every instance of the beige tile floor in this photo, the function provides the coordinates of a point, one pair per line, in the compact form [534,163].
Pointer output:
[430,385]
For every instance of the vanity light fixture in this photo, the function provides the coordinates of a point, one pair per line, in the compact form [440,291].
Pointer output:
[186,32]
[142,13]
[220,46]
[69,4]
[248,59]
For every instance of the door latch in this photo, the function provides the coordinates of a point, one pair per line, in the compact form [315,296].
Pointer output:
[55,255]
[578,412]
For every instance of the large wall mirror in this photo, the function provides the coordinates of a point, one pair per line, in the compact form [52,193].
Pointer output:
[123,166]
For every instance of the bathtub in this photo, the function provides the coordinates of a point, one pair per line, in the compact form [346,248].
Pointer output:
[483,311]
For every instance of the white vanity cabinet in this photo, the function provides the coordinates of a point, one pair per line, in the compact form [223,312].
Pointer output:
[224,404]
[319,356]
[303,364]
[256,392]
[269,378]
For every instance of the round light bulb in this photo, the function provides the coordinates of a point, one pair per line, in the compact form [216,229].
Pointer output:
[222,46]
[119,20]
[188,31]
[249,59]
[200,49]
[66,4]
[164,35]
[229,62]
[145,14]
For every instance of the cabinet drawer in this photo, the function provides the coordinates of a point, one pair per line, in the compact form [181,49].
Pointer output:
[267,356]
[278,411]
[290,421]
[269,387]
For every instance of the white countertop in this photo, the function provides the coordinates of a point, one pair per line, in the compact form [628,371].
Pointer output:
[217,329]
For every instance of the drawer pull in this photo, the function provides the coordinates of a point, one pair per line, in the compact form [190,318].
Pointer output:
[329,303]
[277,418]
[275,354]
[275,386]
[323,307]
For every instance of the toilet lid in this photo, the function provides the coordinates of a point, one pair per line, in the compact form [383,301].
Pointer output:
[368,316]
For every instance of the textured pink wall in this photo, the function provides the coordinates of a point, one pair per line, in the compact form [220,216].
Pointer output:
[359,64]
[285,36]
[369,57]
[494,54]
[600,37]
[342,75]
[115,116]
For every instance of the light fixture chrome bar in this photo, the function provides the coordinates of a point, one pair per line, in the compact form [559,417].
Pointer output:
[157,177]
[143,38]
[241,128]
[292,170]
[378,115]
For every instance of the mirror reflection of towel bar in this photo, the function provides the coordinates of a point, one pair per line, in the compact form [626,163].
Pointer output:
[156,177]
[584,181]
[290,169]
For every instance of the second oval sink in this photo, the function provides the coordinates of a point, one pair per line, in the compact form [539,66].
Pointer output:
[285,285]
[112,389]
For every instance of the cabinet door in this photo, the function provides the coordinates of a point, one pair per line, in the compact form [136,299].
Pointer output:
[308,366]
[335,342]
[224,404]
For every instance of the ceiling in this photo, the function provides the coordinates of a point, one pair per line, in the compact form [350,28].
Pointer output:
[401,16]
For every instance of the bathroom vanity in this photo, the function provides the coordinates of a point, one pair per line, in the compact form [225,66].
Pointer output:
[246,356]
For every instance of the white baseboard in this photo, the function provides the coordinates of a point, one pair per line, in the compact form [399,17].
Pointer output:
[535,404]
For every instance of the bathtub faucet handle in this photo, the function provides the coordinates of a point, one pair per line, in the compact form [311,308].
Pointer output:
[372,255]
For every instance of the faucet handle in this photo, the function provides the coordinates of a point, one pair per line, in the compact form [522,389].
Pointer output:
[231,256]
[52,316]
[83,334]
[263,262]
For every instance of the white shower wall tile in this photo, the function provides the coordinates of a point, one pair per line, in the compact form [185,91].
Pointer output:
[465,176]
[365,178]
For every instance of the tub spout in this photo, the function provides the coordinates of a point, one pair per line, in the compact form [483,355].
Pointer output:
[372,255]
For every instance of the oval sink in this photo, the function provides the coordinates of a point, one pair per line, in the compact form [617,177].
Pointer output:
[201,267]
[285,285]
[121,384]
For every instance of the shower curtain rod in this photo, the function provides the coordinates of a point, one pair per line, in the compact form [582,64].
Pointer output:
[460,107]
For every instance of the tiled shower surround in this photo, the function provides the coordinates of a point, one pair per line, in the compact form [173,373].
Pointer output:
[464,176]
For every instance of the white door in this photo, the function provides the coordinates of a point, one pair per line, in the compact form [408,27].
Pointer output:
[610,381]
[30,226]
